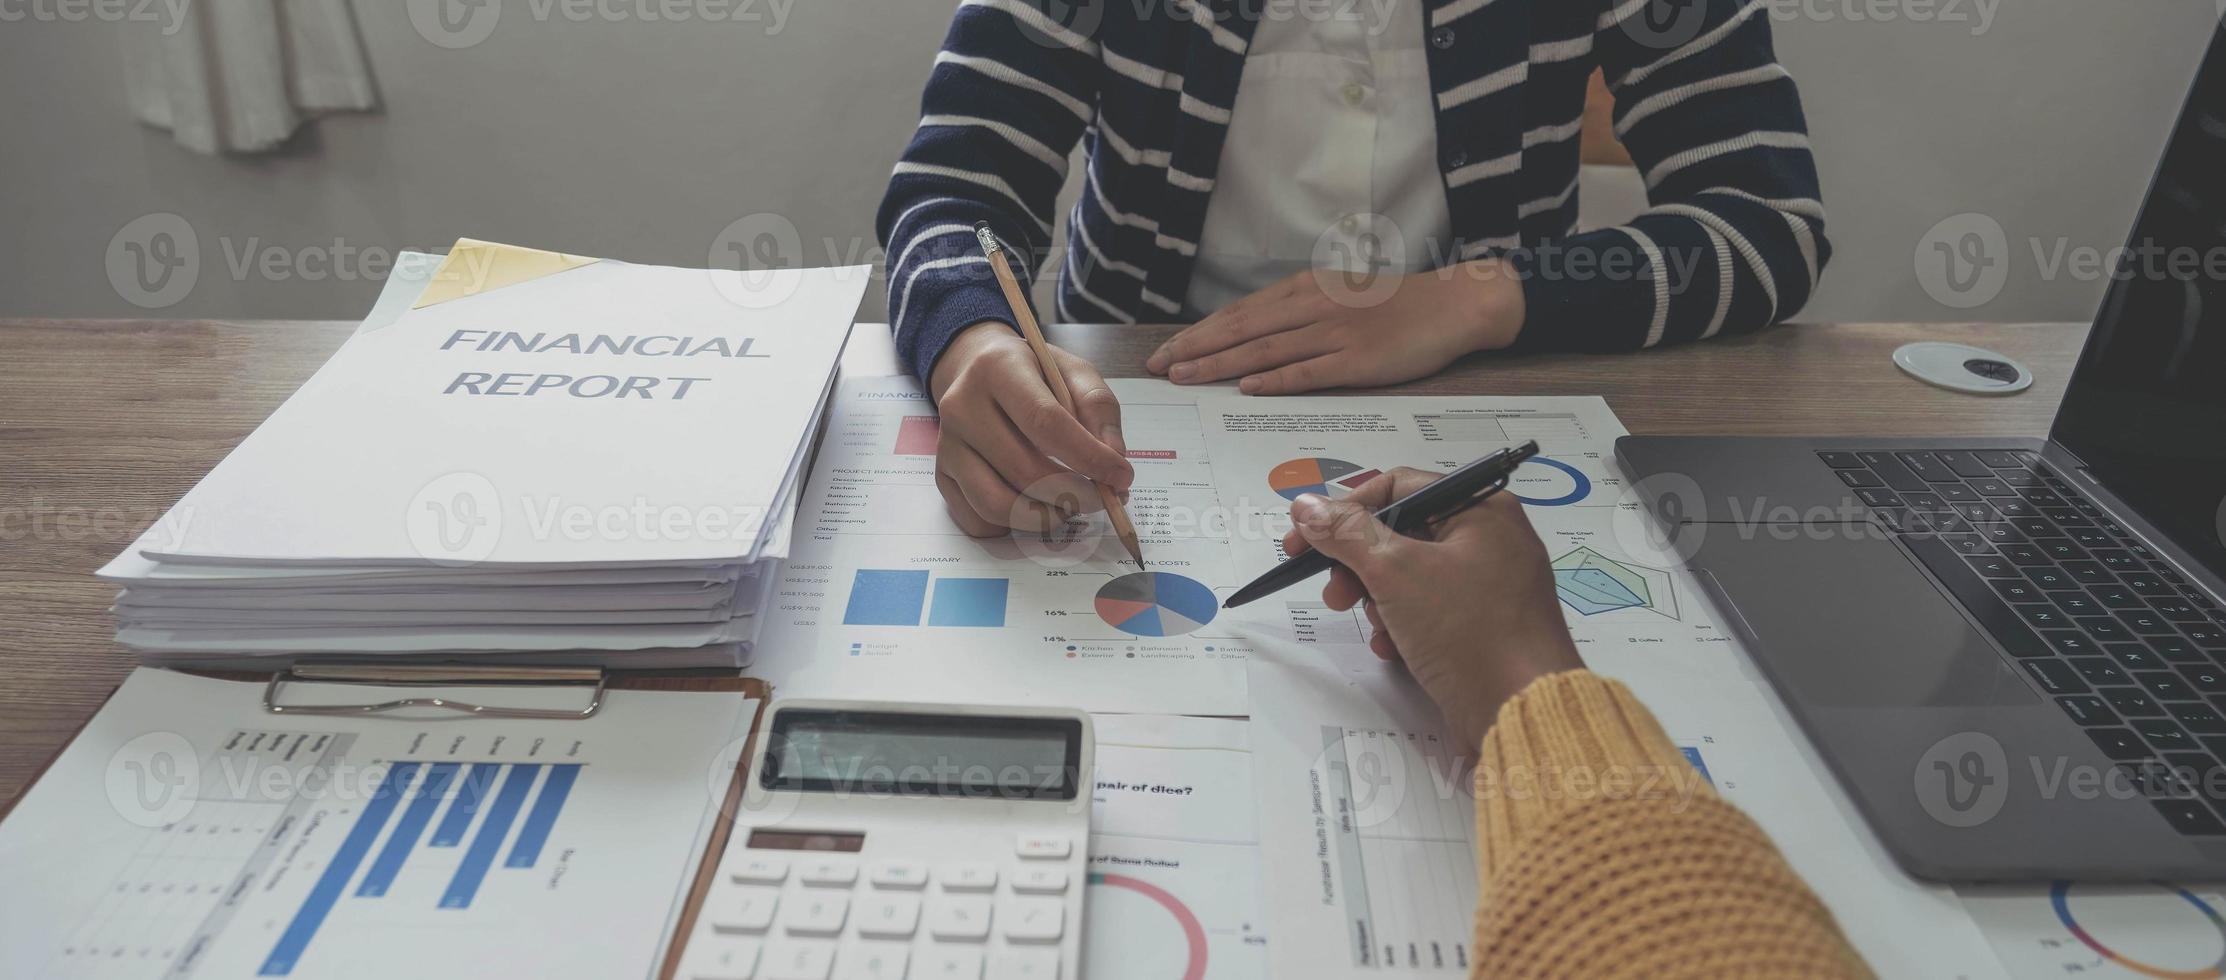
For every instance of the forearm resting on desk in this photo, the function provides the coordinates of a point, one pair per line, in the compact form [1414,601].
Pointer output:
[1602,852]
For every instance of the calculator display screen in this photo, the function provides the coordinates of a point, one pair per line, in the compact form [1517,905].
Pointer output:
[906,754]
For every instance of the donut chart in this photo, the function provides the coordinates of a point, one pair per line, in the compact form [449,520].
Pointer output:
[1565,486]
[1193,932]
[2059,896]
[1321,475]
[1156,604]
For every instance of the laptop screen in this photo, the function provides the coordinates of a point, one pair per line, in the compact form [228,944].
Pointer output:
[2146,409]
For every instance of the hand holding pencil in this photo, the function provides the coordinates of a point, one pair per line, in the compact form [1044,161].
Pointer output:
[1053,374]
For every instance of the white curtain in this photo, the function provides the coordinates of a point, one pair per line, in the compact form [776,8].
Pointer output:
[239,76]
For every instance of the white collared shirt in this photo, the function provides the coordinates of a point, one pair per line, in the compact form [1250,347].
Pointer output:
[1331,155]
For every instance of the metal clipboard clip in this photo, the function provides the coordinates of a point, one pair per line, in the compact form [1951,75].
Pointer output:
[433,675]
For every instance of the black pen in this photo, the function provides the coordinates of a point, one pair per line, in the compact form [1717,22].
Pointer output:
[1448,495]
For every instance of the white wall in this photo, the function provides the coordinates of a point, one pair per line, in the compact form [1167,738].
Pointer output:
[646,140]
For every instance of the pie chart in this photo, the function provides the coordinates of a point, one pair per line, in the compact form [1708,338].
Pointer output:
[1156,604]
[1332,478]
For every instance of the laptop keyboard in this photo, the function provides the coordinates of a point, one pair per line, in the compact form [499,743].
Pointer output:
[2126,646]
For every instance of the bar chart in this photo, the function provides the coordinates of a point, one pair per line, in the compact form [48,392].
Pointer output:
[901,597]
[478,805]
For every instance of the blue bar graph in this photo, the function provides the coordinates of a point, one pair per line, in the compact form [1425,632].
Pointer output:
[1692,755]
[969,602]
[329,885]
[406,831]
[492,830]
[460,810]
[542,817]
[886,598]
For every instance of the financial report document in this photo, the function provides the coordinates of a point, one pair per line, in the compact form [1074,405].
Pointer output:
[187,833]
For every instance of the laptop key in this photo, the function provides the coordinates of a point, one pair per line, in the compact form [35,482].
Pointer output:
[2207,637]
[1878,498]
[1971,590]
[2018,478]
[1840,461]
[2119,743]
[1972,544]
[2088,710]
[2033,527]
[2043,617]
[1925,500]
[2176,649]
[2116,560]
[2145,623]
[2088,573]
[2077,603]
[2132,702]
[2052,579]
[2148,585]
[2134,656]
[2063,516]
[2166,735]
[2000,534]
[2202,719]
[2099,671]
[2070,643]
[2165,686]
[1963,463]
[1993,488]
[2001,459]
[1897,475]
[2106,630]
[2016,590]
[2041,497]
[2114,596]
[2057,677]
[2025,554]
[2190,817]
[2157,779]
[1976,513]
[2177,610]
[2060,549]
[1928,468]
[1992,566]
[2207,678]
[1860,478]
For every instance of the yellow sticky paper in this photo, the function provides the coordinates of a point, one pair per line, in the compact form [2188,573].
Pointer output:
[475,267]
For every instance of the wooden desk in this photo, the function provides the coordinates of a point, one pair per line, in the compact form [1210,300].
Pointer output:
[103,424]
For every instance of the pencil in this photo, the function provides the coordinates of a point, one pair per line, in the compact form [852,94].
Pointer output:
[1010,283]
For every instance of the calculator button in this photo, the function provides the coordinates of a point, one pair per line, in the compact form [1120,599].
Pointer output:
[828,872]
[1033,920]
[1044,847]
[967,877]
[816,914]
[874,961]
[937,963]
[959,919]
[889,916]
[714,958]
[799,961]
[743,910]
[759,869]
[899,875]
[1025,964]
[1040,881]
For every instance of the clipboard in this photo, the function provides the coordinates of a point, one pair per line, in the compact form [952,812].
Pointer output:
[596,681]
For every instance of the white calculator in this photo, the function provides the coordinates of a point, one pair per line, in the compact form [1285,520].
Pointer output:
[886,841]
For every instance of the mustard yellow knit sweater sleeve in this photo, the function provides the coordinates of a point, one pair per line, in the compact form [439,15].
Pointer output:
[1602,852]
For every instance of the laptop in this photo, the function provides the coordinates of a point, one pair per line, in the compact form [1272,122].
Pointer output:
[2010,652]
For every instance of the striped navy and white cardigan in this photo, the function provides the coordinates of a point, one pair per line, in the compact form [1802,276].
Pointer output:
[1733,239]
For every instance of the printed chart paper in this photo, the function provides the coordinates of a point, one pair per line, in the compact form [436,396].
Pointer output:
[883,598]
[1174,856]
[189,834]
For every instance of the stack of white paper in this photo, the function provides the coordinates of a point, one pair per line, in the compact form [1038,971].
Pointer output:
[568,459]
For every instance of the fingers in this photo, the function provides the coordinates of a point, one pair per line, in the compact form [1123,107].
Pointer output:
[1344,590]
[1020,466]
[1380,641]
[1095,405]
[1282,306]
[1254,356]
[1345,531]
[994,502]
[962,513]
[1313,374]
[1055,431]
